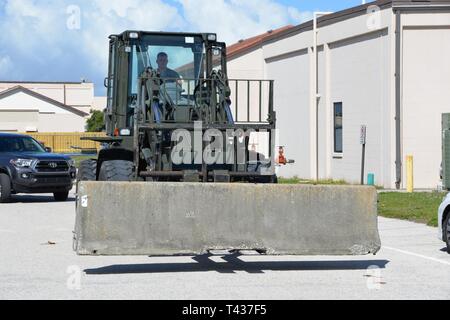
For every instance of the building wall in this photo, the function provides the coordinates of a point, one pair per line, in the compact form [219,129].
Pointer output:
[23,101]
[359,79]
[354,67]
[18,121]
[80,95]
[51,118]
[425,92]
[51,122]
[33,121]
[291,103]
[250,66]
[247,66]
[99,103]
[52,90]
[22,112]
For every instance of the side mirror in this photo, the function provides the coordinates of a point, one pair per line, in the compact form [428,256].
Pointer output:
[48,149]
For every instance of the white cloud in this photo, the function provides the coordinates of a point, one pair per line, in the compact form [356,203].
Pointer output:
[5,66]
[39,32]
[236,19]
[39,45]
[30,24]
[299,16]
[108,17]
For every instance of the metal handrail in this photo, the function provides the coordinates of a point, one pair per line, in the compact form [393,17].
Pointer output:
[215,100]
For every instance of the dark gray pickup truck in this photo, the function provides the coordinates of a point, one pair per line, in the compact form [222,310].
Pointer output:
[27,167]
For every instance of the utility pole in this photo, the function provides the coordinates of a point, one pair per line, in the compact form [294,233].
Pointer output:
[363,156]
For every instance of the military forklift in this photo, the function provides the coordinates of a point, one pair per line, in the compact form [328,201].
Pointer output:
[189,163]
[150,117]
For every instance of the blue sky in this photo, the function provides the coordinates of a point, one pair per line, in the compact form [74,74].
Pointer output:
[54,40]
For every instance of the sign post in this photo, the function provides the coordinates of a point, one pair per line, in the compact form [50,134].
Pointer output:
[362,139]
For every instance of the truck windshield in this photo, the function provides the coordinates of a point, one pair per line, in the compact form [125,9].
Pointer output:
[20,144]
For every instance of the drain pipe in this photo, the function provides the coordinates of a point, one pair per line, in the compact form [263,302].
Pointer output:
[398,101]
[316,94]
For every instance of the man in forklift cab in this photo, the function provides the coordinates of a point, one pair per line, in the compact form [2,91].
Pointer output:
[166,73]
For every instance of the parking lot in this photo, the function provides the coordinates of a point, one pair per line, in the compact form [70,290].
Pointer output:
[37,262]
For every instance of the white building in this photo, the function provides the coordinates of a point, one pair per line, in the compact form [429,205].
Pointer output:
[385,65]
[47,106]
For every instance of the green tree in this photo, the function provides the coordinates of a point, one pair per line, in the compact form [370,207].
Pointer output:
[96,122]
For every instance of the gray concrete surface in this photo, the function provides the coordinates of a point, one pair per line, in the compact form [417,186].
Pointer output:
[190,218]
[410,265]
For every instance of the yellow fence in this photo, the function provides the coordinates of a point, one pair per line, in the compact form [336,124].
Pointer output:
[68,142]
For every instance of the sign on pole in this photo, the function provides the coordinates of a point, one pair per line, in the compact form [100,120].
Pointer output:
[363,134]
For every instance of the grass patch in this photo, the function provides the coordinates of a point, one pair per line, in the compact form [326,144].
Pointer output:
[418,206]
[296,180]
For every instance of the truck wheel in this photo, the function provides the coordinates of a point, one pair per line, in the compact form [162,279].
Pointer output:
[87,170]
[446,232]
[116,170]
[61,196]
[5,188]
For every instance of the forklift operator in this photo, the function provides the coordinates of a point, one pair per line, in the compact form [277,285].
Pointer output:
[166,73]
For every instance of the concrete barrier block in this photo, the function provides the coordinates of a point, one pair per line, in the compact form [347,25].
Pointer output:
[163,218]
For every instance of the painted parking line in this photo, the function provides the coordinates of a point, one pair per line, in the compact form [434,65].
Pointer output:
[417,255]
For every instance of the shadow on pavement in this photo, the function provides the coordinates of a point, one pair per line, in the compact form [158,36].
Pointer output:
[233,264]
[444,249]
[32,198]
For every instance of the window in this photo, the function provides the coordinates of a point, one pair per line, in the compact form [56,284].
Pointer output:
[183,58]
[20,144]
[179,61]
[337,115]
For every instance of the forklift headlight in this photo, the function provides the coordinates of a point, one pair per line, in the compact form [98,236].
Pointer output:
[133,35]
[212,37]
[125,132]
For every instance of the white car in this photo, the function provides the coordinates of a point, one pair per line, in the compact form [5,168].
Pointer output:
[444,221]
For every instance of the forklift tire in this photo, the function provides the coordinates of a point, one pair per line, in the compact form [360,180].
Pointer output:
[116,170]
[5,188]
[87,170]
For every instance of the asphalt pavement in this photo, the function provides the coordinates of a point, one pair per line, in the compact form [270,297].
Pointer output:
[37,262]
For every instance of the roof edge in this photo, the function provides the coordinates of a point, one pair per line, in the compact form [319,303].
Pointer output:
[42,97]
[358,10]
[246,45]
[46,82]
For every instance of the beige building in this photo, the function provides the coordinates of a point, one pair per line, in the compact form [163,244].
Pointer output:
[384,65]
[47,106]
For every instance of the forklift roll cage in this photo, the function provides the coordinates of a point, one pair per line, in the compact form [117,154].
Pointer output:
[148,124]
